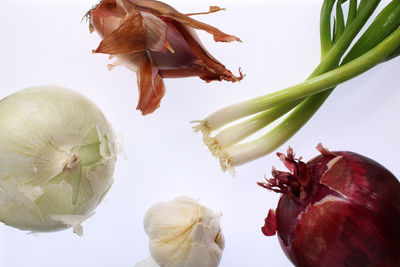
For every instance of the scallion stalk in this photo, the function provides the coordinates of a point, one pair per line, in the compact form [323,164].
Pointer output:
[295,105]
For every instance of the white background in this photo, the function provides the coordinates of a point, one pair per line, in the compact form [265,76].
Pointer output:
[45,42]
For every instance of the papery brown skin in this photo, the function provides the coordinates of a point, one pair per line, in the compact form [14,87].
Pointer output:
[339,209]
[156,41]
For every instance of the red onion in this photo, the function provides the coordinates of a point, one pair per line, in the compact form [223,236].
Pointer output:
[338,209]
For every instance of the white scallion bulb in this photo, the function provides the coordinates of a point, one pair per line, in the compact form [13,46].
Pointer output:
[183,233]
[57,156]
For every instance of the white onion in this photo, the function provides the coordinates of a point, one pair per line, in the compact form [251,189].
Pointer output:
[57,156]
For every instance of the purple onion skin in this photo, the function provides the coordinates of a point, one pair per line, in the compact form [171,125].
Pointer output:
[339,209]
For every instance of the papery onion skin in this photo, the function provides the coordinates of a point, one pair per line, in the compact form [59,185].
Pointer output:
[339,209]
[57,156]
[156,41]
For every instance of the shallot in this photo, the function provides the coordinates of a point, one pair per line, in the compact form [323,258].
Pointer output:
[156,41]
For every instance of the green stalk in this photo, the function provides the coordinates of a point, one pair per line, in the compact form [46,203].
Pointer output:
[380,42]
[352,11]
[384,24]
[394,54]
[339,75]
[333,56]
[312,85]
[357,20]
[339,21]
[238,132]
[243,153]
[330,60]
[325,26]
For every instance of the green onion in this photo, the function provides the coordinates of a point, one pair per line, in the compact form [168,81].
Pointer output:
[344,56]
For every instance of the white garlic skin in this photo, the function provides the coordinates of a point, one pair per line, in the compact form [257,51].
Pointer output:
[148,262]
[57,156]
[183,233]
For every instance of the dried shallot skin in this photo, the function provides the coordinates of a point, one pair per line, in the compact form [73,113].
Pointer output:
[154,40]
[338,209]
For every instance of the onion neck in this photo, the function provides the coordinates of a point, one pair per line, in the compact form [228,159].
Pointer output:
[296,184]
[302,183]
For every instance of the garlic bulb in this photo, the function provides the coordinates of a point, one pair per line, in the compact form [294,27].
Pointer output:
[183,233]
[57,156]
